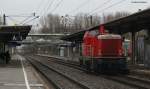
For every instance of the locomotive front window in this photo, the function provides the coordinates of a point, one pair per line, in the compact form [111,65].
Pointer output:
[94,32]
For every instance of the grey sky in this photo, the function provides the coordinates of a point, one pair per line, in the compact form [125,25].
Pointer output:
[71,7]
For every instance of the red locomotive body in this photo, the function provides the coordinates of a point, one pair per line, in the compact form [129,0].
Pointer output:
[102,51]
[102,46]
[90,45]
[111,45]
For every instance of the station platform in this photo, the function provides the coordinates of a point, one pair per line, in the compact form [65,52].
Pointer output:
[19,74]
[140,69]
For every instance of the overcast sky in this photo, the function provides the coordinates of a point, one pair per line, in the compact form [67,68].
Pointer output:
[71,7]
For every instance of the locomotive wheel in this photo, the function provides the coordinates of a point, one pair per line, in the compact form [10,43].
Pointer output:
[88,65]
[101,68]
[125,71]
[81,62]
[96,67]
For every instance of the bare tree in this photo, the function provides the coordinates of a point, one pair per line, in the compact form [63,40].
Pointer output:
[84,21]
[51,24]
[64,24]
[117,15]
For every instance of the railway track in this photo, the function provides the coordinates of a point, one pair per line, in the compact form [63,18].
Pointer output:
[58,79]
[131,81]
[137,82]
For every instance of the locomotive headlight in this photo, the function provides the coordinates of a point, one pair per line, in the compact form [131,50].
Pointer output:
[100,52]
[120,52]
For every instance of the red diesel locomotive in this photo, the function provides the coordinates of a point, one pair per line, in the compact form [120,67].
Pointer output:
[103,52]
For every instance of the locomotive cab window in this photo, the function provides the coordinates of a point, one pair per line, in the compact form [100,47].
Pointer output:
[94,33]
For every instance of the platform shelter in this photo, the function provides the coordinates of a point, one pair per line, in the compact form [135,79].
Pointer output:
[9,35]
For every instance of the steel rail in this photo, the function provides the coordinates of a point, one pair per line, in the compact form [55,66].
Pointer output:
[68,78]
[124,79]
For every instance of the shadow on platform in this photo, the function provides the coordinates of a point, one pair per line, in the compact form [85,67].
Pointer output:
[14,63]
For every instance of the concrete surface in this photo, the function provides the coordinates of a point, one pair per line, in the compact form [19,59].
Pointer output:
[19,74]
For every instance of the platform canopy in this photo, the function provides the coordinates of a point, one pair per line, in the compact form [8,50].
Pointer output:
[13,33]
[131,23]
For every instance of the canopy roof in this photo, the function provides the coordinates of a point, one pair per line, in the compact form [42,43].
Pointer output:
[14,33]
[131,23]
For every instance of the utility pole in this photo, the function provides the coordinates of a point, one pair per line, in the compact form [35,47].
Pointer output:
[23,22]
[91,20]
[4,19]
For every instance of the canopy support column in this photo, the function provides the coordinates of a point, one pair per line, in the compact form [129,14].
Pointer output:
[133,48]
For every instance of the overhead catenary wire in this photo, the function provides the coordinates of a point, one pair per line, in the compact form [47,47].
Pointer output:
[13,20]
[102,10]
[38,6]
[24,20]
[30,20]
[37,10]
[57,5]
[101,5]
[43,10]
[80,6]
[48,7]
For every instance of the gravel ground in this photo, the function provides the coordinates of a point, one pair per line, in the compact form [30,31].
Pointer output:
[92,81]
[58,79]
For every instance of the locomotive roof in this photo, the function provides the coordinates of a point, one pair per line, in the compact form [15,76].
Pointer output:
[131,23]
[109,36]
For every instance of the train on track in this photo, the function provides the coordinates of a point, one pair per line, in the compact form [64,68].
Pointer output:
[103,52]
